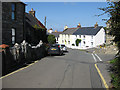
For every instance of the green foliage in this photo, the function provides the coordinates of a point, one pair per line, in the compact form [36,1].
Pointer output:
[113,11]
[38,28]
[105,29]
[115,80]
[77,41]
[51,39]
[115,72]
[113,61]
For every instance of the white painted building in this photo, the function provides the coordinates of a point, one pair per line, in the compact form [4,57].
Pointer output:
[90,37]
[55,33]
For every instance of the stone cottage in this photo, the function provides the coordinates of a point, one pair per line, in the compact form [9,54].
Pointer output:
[34,29]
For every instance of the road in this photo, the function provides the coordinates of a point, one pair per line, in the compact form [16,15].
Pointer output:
[75,69]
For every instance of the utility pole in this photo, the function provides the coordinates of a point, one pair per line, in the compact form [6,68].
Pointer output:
[45,21]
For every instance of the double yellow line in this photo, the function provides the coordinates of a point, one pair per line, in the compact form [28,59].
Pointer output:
[104,82]
[18,70]
[98,70]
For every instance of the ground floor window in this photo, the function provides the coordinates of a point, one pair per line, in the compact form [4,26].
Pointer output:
[84,42]
[13,35]
[65,42]
[91,43]
[68,42]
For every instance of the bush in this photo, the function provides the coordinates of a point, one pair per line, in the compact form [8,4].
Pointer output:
[77,41]
[115,72]
[51,39]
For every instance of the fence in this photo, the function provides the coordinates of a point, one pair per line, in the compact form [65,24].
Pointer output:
[20,55]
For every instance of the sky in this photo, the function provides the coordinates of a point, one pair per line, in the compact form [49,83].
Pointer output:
[60,14]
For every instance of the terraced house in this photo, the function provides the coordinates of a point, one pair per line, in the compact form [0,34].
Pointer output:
[82,37]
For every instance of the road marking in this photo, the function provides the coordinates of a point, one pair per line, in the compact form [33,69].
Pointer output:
[104,82]
[98,57]
[94,57]
[18,70]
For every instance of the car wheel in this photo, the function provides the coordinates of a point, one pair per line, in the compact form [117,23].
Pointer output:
[60,54]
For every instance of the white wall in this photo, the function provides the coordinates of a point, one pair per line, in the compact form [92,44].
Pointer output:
[100,37]
[88,39]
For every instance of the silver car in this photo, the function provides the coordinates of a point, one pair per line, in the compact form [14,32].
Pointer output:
[63,47]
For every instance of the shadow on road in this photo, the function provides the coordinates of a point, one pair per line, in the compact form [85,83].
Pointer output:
[52,55]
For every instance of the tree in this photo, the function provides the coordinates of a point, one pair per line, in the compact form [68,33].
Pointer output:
[113,11]
[51,39]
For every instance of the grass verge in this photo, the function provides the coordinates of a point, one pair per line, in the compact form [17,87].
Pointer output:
[115,72]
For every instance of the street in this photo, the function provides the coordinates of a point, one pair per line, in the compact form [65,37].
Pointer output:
[74,69]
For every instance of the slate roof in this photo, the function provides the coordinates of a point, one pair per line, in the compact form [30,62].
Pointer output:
[87,31]
[56,34]
[82,31]
[69,31]
[33,21]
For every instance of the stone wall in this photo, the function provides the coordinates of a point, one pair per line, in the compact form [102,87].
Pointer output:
[8,23]
[13,59]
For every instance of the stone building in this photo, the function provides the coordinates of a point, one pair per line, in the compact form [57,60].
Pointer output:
[34,29]
[13,16]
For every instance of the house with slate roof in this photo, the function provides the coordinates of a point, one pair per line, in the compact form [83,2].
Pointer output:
[89,37]
[34,29]
[55,33]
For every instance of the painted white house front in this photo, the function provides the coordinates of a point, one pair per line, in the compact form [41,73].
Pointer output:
[90,37]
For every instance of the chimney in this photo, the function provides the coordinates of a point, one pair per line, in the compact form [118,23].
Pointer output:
[66,27]
[50,30]
[96,25]
[32,12]
[79,25]
[56,31]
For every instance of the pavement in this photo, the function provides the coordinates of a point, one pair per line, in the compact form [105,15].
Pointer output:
[74,69]
[104,66]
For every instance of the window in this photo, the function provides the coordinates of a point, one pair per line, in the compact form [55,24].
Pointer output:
[68,42]
[91,37]
[13,35]
[80,36]
[84,36]
[13,11]
[68,36]
[91,43]
[84,42]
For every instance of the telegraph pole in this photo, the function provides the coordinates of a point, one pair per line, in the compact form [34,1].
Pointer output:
[45,21]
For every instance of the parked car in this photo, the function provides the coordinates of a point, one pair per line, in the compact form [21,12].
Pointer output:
[63,47]
[55,49]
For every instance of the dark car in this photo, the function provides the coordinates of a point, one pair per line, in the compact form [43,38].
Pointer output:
[55,49]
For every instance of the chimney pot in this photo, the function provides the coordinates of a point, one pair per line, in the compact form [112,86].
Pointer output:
[96,25]
[79,25]
[66,27]
[32,12]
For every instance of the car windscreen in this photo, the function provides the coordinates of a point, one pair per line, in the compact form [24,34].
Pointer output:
[63,45]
